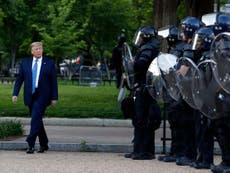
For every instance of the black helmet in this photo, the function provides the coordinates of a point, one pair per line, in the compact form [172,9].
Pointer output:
[222,24]
[189,25]
[144,35]
[203,38]
[173,36]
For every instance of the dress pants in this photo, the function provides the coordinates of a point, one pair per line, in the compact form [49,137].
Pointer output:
[37,129]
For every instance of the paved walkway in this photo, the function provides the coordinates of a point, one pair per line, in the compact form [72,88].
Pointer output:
[85,162]
[104,135]
[103,141]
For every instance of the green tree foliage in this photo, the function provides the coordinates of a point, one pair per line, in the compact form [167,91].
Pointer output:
[1,16]
[59,33]
[181,12]
[69,26]
[105,21]
[14,29]
[65,26]
[143,12]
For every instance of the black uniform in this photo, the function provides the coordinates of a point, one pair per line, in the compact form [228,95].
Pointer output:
[143,130]
[204,131]
[176,146]
[222,125]
[185,122]
[221,128]
[146,108]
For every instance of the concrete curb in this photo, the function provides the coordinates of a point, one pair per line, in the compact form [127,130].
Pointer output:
[82,147]
[75,122]
[97,122]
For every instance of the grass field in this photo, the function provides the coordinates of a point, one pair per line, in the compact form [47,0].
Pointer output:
[74,102]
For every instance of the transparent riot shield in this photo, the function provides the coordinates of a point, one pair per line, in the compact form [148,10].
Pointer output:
[121,96]
[185,79]
[128,63]
[220,53]
[208,96]
[167,64]
[154,83]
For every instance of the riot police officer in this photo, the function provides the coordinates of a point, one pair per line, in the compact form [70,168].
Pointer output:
[222,125]
[186,116]
[204,132]
[145,106]
[175,47]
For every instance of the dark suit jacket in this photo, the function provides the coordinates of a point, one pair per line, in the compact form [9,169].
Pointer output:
[47,83]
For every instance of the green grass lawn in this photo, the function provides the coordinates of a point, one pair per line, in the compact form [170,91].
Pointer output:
[74,102]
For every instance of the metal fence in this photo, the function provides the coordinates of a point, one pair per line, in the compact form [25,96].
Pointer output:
[90,75]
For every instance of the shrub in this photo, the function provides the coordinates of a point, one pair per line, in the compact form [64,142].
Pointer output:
[10,128]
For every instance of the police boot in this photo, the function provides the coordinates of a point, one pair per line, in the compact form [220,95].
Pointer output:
[226,171]
[220,168]
[183,161]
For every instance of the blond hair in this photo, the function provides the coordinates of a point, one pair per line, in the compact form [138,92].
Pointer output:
[37,43]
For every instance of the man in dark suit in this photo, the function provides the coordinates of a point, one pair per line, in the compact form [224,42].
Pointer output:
[40,90]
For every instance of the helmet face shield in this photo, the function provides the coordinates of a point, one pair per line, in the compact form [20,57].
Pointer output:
[202,39]
[197,42]
[209,19]
[137,40]
[171,33]
[144,34]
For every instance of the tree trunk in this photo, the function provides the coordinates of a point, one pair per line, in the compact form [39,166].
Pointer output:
[158,13]
[197,8]
[165,13]
[165,10]
[169,12]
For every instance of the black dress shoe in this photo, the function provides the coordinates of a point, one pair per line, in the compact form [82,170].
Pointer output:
[30,150]
[129,155]
[42,149]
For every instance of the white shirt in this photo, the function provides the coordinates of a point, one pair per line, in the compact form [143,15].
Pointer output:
[38,69]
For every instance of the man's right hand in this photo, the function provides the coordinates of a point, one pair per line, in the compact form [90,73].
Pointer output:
[14,99]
